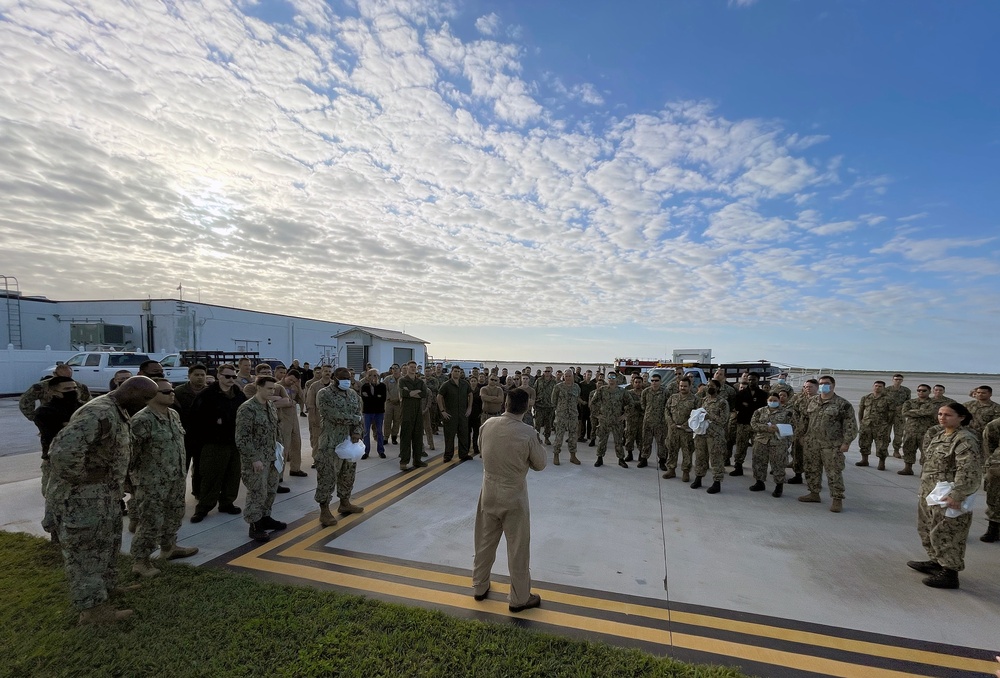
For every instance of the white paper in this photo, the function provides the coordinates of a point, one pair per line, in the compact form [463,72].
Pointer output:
[942,490]
[279,457]
[784,430]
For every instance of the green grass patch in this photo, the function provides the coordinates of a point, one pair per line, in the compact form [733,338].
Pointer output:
[206,622]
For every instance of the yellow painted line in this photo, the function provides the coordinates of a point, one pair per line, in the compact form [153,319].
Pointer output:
[845,644]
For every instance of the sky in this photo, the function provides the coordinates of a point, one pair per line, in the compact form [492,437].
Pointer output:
[812,183]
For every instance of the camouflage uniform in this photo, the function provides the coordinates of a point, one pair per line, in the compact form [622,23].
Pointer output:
[828,425]
[957,458]
[40,393]
[710,448]
[565,399]
[991,476]
[256,435]
[158,469]
[432,415]
[544,406]
[918,416]
[898,395]
[877,414]
[312,412]
[768,447]
[797,406]
[679,435]
[777,388]
[632,400]
[982,414]
[608,406]
[654,424]
[340,413]
[89,459]
[411,419]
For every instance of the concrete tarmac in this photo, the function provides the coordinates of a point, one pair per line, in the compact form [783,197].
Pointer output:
[774,586]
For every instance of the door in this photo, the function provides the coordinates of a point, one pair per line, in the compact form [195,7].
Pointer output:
[89,373]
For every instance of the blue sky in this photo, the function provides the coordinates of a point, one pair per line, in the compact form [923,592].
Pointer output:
[810,182]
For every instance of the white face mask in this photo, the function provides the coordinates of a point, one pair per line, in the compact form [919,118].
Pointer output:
[344,384]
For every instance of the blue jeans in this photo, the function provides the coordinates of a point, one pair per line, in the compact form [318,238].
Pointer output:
[375,420]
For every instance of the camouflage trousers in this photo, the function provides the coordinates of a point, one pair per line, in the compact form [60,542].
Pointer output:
[261,487]
[710,452]
[544,417]
[730,434]
[992,487]
[818,458]
[565,428]
[315,427]
[633,434]
[48,519]
[90,534]
[798,454]
[744,439]
[334,473]
[773,453]
[913,440]
[160,511]
[943,538]
[603,430]
[651,431]
[879,434]
[898,425]
[680,444]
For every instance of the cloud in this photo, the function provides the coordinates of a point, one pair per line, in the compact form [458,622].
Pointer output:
[489,24]
[742,3]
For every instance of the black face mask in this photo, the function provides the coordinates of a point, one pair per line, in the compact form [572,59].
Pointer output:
[71,398]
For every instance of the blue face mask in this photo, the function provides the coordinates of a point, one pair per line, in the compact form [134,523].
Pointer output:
[772,404]
[781,381]
[824,388]
[344,384]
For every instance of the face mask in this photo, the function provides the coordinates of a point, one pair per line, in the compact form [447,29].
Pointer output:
[70,397]
[772,404]
[824,388]
[344,384]
[781,381]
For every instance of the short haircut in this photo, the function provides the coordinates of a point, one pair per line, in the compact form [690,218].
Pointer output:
[920,386]
[686,380]
[226,366]
[146,363]
[243,360]
[412,362]
[264,381]
[261,368]
[879,381]
[897,375]
[196,367]
[161,380]
[55,381]
[342,371]
[755,375]
[988,389]
[812,381]
[960,410]
[829,378]
[940,386]
[517,401]
[293,373]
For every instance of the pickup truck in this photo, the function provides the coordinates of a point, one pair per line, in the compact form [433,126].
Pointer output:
[175,372]
[96,369]
[667,375]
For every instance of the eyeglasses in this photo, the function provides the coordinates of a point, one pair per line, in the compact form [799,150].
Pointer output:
[923,390]
[227,376]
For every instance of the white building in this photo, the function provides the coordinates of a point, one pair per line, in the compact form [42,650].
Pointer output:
[162,326]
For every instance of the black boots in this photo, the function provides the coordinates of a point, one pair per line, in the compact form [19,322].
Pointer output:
[943,579]
[736,472]
[258,532]
[715,488]
[758,486]
[697,483]
[992,533]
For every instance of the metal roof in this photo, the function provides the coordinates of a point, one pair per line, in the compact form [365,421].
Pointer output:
[385,335]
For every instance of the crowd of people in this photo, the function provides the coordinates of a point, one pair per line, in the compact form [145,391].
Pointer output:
[241,425]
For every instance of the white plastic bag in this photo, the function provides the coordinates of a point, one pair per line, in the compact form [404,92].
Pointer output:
[279,457]
[349,451]
[942,490]
[697,422]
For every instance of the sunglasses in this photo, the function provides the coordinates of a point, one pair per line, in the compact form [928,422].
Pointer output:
[227,376]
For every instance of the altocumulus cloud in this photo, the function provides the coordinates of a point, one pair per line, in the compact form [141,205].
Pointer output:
[375,167]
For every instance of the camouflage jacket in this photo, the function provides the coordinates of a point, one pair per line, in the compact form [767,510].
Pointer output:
[256,431]
[991,443]
[566,399]
[654,406]
[876,411]
[678,409]
[898,395]
[632,401]
[543,392]
[829,422]
[340,416]
[717,415]
[762,419]
[918,415]
[607,404]
[93,448]
[158,455]
[982,413]
[39,393]
[956,457]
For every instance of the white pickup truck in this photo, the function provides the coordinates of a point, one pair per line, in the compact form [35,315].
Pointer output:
[97,368]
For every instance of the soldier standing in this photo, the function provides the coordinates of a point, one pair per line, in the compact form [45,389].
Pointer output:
[413,396]
[89,460]
[256,435]
[609,411]
[899,394]
[798,408]
[710,447]
[312,411]
[215,420]
[158,469]
[454,401]
[632,400]
[393,405]
[983,409]
[544,409]
[953,455]
[565,398]
[991,481]
[768,446]
[781,385]
[918,415]
[492,396]
[340,416]
[39,393]
[830,427]
[876,413]
[747,401]
[654,423]
[587,386]
[680,438]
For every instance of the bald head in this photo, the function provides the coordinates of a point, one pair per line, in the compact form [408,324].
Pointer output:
[134,394]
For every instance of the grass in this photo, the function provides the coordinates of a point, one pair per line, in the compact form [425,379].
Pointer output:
[206,622]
